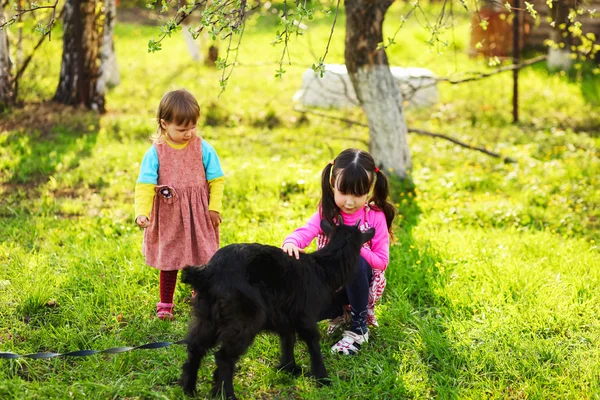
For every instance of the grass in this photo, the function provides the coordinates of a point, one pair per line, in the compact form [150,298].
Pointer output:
[493,282]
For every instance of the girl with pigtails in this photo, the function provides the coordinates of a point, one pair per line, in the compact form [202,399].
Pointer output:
[353,191]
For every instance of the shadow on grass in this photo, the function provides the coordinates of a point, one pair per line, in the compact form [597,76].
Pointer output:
[589,84]
[37,140]
[414,312]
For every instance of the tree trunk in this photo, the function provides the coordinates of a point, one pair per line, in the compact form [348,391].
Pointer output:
[6,89]
[375,86]
[561,58]
[82,43]
[109,70]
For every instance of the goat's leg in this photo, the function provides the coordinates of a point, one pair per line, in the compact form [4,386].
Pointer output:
[288,362]
[223,376]
[199,341]
[310,334]
[226,358]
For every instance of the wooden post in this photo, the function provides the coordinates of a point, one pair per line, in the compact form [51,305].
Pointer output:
[516,58]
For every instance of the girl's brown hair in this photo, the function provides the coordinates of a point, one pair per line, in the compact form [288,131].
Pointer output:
[178,107]
[354,172]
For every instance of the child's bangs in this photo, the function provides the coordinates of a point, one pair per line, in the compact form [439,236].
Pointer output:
[355,181]
[185,113]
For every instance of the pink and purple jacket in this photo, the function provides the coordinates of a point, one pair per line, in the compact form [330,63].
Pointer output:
[376,252]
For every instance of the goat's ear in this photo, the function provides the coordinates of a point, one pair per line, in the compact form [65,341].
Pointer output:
[326,227]
[368,235]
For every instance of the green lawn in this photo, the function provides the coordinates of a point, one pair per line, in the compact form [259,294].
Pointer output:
[493,283]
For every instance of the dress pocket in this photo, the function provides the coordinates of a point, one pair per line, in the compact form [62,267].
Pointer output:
[166,193]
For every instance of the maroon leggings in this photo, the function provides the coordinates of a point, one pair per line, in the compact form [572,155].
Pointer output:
[168,280]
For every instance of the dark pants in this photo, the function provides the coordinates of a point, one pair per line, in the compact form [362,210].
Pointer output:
[357,295]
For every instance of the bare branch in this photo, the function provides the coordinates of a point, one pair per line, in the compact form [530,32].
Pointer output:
[481,75]
[422,132]
[337,9]
[410,130]
[286,35]
[21,12]
[47,32]
[474,76]
[224,78]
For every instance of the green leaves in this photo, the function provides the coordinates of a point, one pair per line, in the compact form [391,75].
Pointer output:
[279,72]
[154,46]
[390,41]
[42,29]
[531,10]
[484,24]
[319,68]
[494,61]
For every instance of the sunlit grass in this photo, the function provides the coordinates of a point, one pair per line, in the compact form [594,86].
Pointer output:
[493,282]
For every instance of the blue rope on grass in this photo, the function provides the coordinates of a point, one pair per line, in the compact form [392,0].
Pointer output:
[84,353]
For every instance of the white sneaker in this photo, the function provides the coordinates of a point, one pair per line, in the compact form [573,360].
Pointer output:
[350,343]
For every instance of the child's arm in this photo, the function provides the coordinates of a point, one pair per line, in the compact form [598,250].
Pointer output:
[301,237]
[214,176]
[146,182]
[379,254]
[216,187]
[304,235]
[216,182]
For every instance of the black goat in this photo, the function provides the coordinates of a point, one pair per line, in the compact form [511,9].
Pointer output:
[249,288]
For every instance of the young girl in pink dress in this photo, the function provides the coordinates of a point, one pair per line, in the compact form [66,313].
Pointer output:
[178,195]
[354,190]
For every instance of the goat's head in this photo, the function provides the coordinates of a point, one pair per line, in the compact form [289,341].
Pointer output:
[349,231]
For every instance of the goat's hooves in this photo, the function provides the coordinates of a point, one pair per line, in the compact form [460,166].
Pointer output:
[324,381]
[218,394]
[290,369]
[189,388]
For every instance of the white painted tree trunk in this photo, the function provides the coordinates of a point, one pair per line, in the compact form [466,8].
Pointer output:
[375,86]
[193,46]
[382,102]
[109,70]
[5,66]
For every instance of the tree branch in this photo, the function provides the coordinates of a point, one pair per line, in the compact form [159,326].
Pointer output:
[337,9]
[26,62]
[411,130]
[475,76]
[422,132]
[21,12]
[481,75]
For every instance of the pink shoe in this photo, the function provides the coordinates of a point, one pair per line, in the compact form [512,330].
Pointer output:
[164,311]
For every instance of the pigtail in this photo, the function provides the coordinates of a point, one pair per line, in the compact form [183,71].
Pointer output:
[381,193]
[327,205]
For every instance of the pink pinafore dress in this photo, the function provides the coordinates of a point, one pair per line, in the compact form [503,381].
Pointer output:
[180,231]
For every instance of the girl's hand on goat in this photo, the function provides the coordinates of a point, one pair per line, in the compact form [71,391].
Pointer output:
[292,250]
[142,221]
[215,218]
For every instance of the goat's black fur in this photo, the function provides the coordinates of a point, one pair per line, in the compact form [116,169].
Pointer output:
[249,288]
